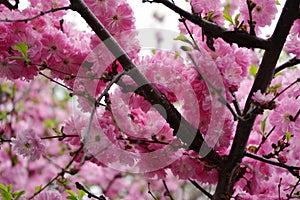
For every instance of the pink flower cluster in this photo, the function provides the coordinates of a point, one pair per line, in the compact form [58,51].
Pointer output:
[28,144]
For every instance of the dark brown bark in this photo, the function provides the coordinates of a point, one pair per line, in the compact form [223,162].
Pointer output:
[227,174]
[182,129]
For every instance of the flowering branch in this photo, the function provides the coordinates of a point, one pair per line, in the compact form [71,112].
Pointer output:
[293,169]
[54,81]
[228,173]
[177,122]
[241,38]
[90,195]
[167,193]
[36,16]
[292,62]
[9,5]
[59,174]
[290,196]
[251,5]
[201,188]
[119,175]
[149,192]
[285,89]
[264,138]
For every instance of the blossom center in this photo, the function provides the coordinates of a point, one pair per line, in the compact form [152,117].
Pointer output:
[27,145]
[258,8]
[116,17]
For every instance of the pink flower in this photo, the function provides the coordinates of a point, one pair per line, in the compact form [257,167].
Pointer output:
[200,6]
[296,27]
[293,45]
[262,98]
[121,20]
[9,69]
[103,7]
[28,144]
[282,116]
[49,195]
[263,12]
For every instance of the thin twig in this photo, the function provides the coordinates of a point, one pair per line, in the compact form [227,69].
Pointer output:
[201,189]
[90,195]
[222,99]
[235,103]
[36,16]
[59,174]
[138,141]
[290,168]
[294,188]
[7,4]
[292,62]
[54,81]
[242,39]
[285,89]
[279,185]
[149,192]
[167,193]
[264,138]
[251,6]
[119,175]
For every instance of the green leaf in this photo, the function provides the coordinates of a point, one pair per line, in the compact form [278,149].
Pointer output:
[274,88]
[9,188]
[3,115]
[72,198]
[2,188]
[210,15]
[227,7]
[228,17]
[18,58]
[236,20]
[288,136]
[22,48]
[81,193]
[6,196]
[186,48]
[278,2]
[182,38]
[18,194]
[263,125]
[72,195]
[38,188]
[253,70]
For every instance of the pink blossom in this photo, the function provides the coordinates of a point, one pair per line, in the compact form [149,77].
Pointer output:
[28,144]
[263,12]
[262,98]
[54,47]
[293,45]
[201,6]
[49,195]
[120,20]
[296,27]
[282,159]
[282,116]
[102,8]
[10,69]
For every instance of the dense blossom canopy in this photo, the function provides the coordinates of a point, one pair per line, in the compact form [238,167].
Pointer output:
[89,112]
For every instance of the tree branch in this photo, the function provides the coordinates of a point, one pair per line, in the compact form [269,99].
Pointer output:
[289,63]
[9,5]
[242,39]
[201,188]
[182,129]
[229,170]
[36,16]
[278,164]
